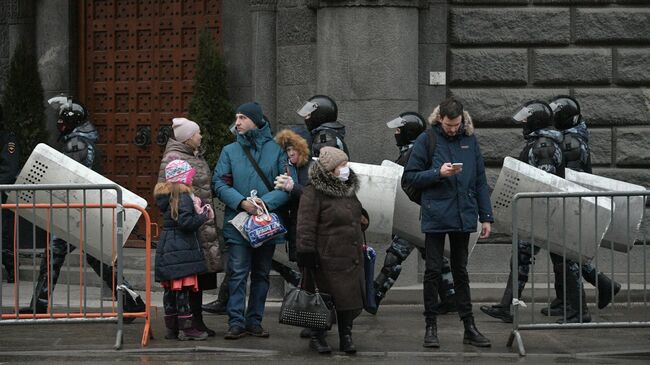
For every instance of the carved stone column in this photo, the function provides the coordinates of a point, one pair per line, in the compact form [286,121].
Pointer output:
[263,53]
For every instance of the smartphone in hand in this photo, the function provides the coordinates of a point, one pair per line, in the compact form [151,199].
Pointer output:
[457,165]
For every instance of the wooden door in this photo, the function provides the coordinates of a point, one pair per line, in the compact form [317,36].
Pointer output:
[136,74]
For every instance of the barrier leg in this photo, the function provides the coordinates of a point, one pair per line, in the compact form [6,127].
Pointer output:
[515,335]
[118,340]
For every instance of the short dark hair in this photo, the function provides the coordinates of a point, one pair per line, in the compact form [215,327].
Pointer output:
[451,108]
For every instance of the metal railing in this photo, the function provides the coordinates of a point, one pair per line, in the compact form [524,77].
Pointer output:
[76,215]
[525,316]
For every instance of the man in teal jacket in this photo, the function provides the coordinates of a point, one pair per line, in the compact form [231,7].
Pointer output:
[454,194]
[233,180]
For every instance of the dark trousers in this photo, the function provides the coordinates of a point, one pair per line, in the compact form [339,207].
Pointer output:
[434,247]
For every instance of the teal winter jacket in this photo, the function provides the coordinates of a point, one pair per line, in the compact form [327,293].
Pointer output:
[234,177]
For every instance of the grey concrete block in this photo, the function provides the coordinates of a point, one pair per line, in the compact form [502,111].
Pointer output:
[497,143]
[600,142]
[633,66]
[236,42]
[639,176]
[572,66]
[491,2]
[495,107]
[368,53]
[612,24]
[432,57]
[615,107]
[296,26]
[488,66]
[492,174]
[240,95]
[429,98]
[514,26]
[289,100]
[53,45]
[296,65]
[574,2]
[367,137]
[433,24]
[632,146]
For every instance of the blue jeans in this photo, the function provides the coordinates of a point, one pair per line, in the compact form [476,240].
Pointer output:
[244,259]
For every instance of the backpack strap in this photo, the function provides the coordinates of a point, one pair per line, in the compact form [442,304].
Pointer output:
[431,146]
[257,168]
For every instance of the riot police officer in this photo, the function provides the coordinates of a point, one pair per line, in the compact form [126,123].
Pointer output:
[78,136]
[408,126]
[9,168]
[542,150]
[568,119]
[321,119]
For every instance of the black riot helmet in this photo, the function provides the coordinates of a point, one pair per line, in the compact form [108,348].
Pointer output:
[566,112]
[410,125]
[534,115]
[317,110]
[71,114]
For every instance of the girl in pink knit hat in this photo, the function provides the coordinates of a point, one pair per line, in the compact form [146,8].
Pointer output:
[179,257]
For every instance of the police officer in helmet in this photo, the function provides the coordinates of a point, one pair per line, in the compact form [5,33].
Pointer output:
[9,169]
[79,137]
[321,119]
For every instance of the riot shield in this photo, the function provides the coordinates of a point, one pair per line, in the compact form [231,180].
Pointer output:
[572,225]
[94,227]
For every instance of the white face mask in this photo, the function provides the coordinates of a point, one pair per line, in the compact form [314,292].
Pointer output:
[344,173]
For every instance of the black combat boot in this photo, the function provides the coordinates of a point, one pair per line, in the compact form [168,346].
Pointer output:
[557,305]
[472,336]
[604,286]
[219,305]
[576,301]
[431,334]
[501,310]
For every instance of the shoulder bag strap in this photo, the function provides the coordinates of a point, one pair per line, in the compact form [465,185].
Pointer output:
[257,168]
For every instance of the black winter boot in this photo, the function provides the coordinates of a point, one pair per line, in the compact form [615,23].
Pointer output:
[345,319]
[318,342]
[197,313]
[472,336]
[171,325]
[502,309]
[431,334]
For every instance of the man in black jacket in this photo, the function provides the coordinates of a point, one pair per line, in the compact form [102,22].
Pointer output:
[9,169]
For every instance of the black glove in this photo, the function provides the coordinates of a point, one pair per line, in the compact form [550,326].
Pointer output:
[307,259]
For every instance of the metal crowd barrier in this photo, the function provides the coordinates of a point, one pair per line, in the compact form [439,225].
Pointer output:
[69,312]
[625,310]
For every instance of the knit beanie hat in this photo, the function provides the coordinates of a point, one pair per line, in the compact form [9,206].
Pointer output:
[184,129]
[253,111]
[179,171]
[331,157]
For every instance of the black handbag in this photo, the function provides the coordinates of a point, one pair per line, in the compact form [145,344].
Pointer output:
[304,309]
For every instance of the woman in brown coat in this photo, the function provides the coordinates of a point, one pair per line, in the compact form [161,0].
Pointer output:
[330,241]
[186,145]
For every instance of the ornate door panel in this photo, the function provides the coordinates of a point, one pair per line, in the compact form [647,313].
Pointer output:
[136,74]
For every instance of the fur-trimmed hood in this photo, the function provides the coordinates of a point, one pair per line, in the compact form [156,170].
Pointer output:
[287,138]
[328,184]
[434,119]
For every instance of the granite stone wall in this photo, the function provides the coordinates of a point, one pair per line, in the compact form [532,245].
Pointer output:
[504,52]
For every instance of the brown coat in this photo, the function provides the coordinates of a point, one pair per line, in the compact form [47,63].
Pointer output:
[329,223]
[207,234]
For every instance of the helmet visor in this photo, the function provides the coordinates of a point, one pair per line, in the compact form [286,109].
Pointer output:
[307,109]
[522,114]
[233,129]
[396,123]
[554,106]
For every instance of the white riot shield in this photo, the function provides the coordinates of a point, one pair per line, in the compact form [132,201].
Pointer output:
[406,221]
[49,166]
[571,225]
[377,189]
[622,231]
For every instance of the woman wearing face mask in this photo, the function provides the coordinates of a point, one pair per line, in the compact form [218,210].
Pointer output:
[330,241]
